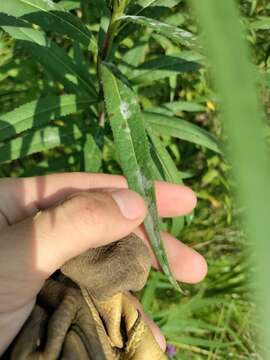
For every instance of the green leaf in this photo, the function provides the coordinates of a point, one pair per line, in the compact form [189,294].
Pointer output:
[165,3]
[262,23]
[170,171]
[69,4]
[177,35]
[148,296]
[51,17]
[51,56]
[92,155]
[188,106]
[132,146]
[38,113]
[182,129]
[40,140]
[132,58]
[163,66]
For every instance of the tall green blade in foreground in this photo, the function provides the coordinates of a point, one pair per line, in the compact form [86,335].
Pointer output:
[243,116]
[132,146]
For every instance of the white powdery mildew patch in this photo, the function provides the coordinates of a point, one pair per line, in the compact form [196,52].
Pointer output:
[124,109]
[49,3]
[143,181]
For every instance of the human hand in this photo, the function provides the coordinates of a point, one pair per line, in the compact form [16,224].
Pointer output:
[79,211]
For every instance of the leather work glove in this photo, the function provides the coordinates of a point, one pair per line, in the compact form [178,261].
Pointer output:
[84,311]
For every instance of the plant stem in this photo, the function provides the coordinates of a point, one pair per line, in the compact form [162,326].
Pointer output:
[118,10]
[119,7]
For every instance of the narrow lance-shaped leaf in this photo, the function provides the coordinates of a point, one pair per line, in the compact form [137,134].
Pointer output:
[52,57]
[263,23]
[92,156]
[182,129]
[38,113]
[132,146]
[39,140]
[161,67]
[50,16]
[177,35]
[170,172]
[144,4]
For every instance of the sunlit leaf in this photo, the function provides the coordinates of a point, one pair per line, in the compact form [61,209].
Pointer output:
[38,113]
[50,16]
[179,36]
[182,129]
[39,140]
[52,57]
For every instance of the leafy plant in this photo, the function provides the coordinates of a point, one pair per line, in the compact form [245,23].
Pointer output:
[51,123]
[96,67]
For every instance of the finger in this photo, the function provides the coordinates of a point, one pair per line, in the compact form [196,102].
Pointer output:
[149,322]
[38,246]
[24,197]
[187,264]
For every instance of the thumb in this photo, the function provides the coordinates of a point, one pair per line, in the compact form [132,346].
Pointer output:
[85,220]
[33,249]
[38,246]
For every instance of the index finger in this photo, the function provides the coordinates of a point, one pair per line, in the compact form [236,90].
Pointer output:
[28,195]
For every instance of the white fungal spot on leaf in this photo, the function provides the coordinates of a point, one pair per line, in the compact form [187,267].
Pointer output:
[49,2]
[124,109]
[143,181]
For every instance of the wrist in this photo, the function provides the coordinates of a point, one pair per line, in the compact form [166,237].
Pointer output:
[11,323]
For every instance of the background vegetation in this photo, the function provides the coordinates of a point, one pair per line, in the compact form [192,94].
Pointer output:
[216,319]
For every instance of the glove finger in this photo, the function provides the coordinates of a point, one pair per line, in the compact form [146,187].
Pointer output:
[160,339]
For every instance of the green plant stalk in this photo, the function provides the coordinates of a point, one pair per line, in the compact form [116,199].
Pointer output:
[118,10]
[243,116]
